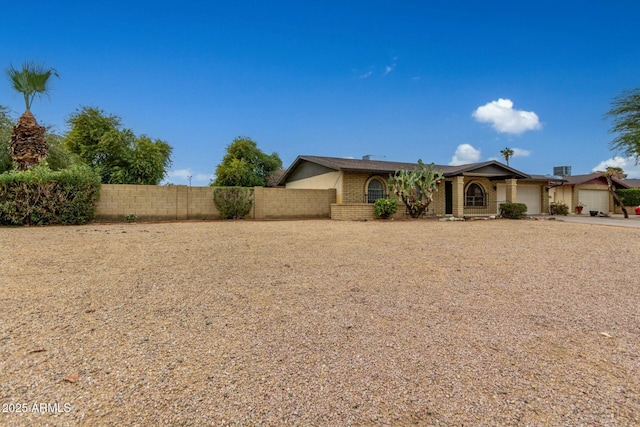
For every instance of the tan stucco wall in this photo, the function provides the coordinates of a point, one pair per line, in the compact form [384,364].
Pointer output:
[321,182]
[564,194]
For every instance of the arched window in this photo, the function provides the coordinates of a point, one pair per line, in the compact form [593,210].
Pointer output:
[475,196]
[375,190]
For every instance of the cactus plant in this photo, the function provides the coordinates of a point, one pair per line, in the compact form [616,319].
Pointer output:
[416,188]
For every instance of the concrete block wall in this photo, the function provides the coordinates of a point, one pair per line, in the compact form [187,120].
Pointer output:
[274,203]
[179,202]
[155,203]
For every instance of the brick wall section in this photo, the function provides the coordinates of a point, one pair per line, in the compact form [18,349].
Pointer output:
[353,187]
[179,202]
[352,212]
[274,203]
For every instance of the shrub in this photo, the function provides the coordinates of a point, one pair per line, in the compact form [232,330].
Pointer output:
[385,208]
[41,196]
[513,210]
[630,196]
[130,218]
[558,208]
[233,202]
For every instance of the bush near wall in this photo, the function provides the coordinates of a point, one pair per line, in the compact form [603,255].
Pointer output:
[513,210]
[630,196]
[558,208]
[40,196]
[233,202]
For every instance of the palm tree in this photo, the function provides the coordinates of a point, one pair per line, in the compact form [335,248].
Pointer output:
[507,153]
[28,144]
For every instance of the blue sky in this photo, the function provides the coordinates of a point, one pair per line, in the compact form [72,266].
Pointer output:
[447,82]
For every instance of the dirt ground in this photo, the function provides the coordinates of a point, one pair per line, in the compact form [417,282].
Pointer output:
[321,323]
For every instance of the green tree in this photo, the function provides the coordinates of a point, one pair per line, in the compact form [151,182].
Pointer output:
[245,165]
[507,153]
[59,157]
[625,113]
[416,188]
[28,143]
[121,157]
[6,127]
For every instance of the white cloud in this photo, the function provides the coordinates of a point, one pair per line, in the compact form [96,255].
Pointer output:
[181,176]
[365,75]
[465,153]
[389,68]
[628,165]
[519,152]
[505,119]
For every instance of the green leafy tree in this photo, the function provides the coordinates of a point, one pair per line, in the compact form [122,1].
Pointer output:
[28,143]
[59,157]
[6,127]
[417,187]
[100,140]
[625,113]
[507,153]
[245,165]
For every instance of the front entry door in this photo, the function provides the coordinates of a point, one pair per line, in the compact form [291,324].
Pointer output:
[448,198]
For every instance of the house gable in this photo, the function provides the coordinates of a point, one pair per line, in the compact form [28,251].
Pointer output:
[306,169]
[494,171]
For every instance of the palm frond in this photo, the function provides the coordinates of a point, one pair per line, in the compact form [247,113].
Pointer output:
[30,80]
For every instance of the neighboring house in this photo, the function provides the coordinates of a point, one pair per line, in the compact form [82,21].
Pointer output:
[632,183]
[590,190]
[467,190]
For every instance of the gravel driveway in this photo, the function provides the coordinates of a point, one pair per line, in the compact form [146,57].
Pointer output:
[320,322]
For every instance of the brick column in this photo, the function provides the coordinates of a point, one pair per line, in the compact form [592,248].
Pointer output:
[182,202]
[545,199]
[258,203]
[511,190]
[458,196]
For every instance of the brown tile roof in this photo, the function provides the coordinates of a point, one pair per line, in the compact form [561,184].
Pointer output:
[632,183]
[362,165]
[582,179]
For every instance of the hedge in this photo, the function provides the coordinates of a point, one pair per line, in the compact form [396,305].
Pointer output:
[513,210]
[40,196]
[629,196]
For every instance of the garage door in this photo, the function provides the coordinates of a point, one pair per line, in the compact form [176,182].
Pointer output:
[595,200]
[530,195]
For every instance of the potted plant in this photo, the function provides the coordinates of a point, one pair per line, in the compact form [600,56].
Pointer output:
[579,208]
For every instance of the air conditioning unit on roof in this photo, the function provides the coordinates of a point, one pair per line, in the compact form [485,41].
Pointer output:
[562,170]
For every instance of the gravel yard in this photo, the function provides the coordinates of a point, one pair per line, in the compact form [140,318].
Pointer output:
[320,323]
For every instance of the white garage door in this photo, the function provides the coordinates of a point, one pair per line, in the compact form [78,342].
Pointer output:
[530,196]
[595,200]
